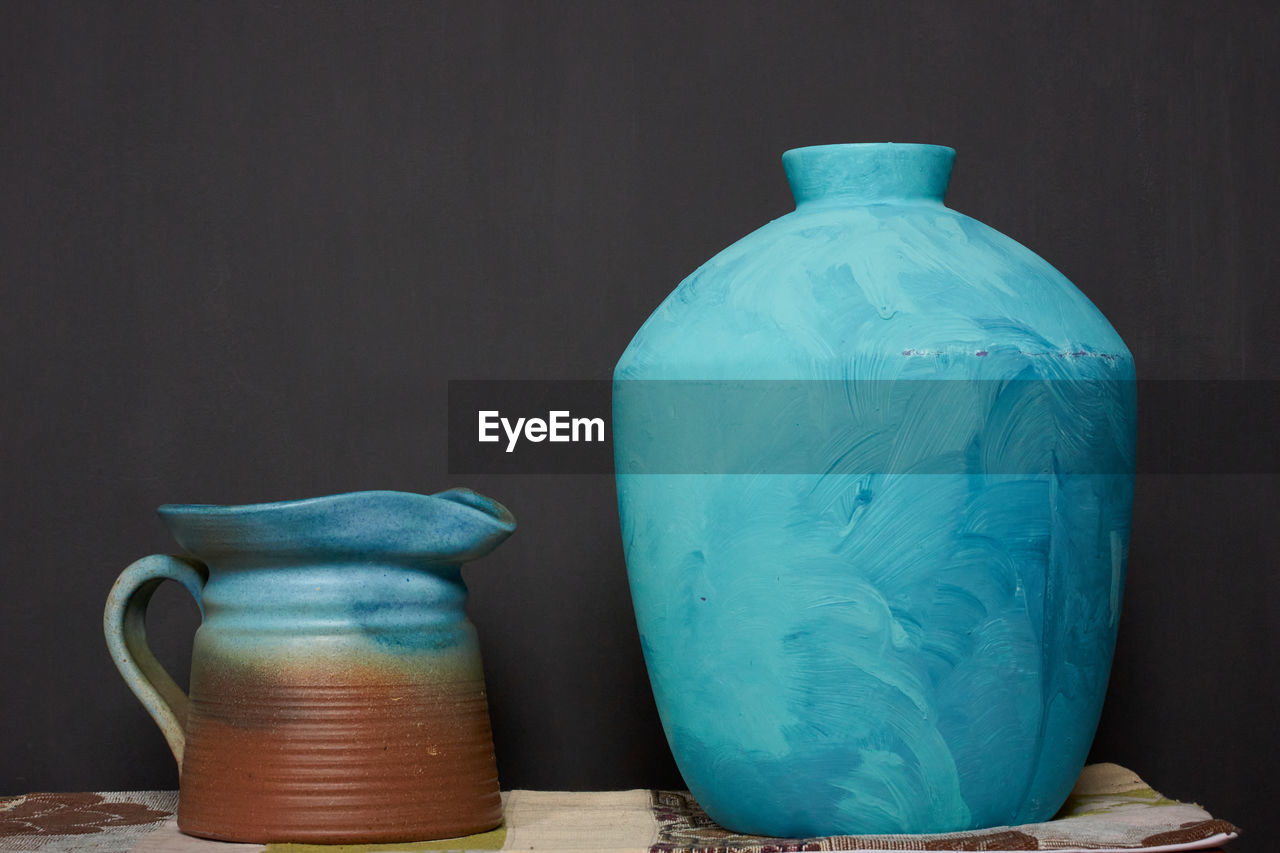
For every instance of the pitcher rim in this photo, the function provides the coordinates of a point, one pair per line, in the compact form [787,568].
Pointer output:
[500,512]
[453,526]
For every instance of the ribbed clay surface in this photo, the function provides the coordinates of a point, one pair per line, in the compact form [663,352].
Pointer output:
[338,763]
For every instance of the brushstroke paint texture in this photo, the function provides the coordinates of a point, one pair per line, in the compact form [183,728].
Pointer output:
[863,649]
[337,694]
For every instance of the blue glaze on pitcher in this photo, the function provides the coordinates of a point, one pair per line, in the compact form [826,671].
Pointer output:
[910,628]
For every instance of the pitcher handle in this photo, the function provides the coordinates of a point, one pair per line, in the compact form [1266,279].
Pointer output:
[125,624]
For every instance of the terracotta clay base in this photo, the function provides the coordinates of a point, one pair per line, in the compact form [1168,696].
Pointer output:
[360,762]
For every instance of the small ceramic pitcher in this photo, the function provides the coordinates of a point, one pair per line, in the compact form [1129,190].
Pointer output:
[336,690]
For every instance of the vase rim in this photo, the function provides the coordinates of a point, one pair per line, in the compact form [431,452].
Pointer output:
[868,173]
[835,147]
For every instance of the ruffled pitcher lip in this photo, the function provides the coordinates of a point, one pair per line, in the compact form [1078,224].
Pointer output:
[449,527]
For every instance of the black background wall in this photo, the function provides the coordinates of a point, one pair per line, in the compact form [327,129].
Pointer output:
[245,246]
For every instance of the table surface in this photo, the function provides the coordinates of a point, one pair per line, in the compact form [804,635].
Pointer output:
[1111,808]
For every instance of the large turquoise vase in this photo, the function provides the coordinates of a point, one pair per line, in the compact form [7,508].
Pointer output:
[875,476]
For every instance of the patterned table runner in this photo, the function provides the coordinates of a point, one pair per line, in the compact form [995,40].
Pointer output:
[1110,809]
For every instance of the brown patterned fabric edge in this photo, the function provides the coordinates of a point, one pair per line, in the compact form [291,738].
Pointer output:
[1188,832]
[43,813]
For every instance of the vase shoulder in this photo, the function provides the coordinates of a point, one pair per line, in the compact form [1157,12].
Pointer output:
[853,284]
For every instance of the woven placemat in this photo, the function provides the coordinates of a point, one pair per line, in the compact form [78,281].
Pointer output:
[1111,808]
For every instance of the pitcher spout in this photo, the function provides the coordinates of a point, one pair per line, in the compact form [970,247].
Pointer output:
[472,527]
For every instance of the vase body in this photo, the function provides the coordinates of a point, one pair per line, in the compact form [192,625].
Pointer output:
[336,691]
[875,476]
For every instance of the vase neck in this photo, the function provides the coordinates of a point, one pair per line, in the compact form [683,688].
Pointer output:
[868,173]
